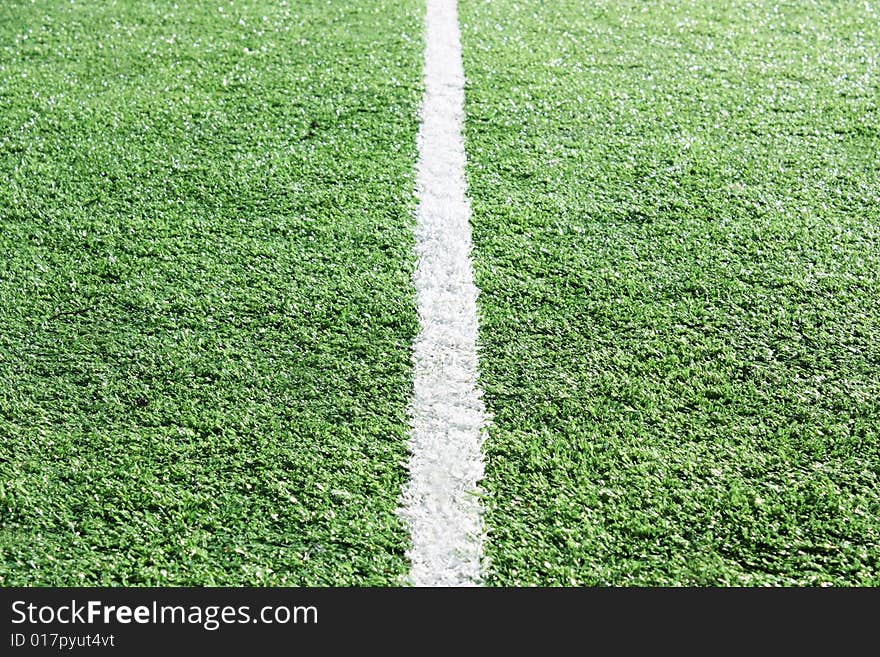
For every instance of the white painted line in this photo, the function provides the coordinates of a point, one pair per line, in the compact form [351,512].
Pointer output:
[441,504]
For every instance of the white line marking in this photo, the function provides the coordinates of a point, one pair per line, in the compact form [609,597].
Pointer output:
[441,504]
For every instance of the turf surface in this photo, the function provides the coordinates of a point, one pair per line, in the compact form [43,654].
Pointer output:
[677,237]
[206,315]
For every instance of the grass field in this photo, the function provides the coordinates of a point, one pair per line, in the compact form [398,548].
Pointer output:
[207,309]
[677,237]
[206,317]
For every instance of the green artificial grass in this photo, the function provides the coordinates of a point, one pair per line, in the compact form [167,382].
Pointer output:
[205,296]
[676,212]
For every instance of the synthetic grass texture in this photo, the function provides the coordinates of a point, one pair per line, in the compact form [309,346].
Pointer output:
[205,290]
[676,212]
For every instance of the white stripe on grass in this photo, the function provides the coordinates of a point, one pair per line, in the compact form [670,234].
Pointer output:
[441,503]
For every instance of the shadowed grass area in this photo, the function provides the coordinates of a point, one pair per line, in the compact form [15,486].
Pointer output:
[677,237]
[205,303]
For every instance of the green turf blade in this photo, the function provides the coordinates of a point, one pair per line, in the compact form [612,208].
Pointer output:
[676,213]
[205,296]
